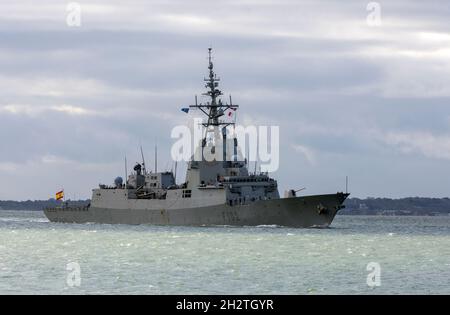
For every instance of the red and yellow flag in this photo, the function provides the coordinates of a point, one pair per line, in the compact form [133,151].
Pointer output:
[60,195]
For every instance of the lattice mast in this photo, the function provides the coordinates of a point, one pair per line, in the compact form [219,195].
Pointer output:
[215,108]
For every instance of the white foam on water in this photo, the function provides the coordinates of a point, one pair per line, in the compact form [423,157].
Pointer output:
[226,260]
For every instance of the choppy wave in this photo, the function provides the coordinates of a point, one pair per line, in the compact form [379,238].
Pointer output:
[412,252]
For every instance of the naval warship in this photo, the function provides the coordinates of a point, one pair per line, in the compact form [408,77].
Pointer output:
[215,193]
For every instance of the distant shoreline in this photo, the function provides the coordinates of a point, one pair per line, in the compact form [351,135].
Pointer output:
[411,206]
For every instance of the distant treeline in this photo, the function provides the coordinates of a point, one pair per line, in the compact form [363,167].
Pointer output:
[354,206]
[403,206]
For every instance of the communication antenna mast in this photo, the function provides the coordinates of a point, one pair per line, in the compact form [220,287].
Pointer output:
[126,171]
[346,184]
[247,156]
[175,172]
[143,161]
[156,158]
[256,159]
[215,108]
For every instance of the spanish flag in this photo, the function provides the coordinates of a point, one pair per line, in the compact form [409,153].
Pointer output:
[60,195]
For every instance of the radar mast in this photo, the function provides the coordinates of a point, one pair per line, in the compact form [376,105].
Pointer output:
[215,108]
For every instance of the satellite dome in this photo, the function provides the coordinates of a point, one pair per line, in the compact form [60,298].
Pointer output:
[118,181]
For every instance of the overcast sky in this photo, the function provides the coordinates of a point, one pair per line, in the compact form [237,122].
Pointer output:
[351,98]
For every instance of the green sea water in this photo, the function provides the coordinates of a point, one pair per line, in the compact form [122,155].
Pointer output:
[411,255]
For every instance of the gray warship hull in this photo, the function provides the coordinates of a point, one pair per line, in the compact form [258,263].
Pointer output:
[298,212]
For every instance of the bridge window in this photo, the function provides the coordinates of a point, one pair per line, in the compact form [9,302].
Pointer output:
[187,193]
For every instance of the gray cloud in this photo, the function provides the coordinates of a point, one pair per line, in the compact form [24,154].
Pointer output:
[368,102]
